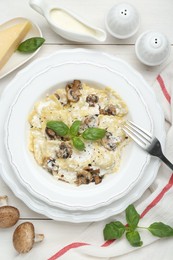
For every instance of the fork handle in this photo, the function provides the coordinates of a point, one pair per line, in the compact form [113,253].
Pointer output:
[166,161]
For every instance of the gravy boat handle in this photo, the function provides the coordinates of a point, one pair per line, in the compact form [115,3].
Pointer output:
[38,5]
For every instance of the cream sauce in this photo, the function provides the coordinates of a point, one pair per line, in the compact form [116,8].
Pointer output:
[67,22]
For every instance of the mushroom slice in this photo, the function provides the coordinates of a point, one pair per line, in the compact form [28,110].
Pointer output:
[89,121]
[95,174]
[98,179]
[84,177]
[72,96]
[64,151]
[50,133]
[53,136]
[62,98]
[109,141]
[92,99]
[50,165]
[109,110]
[88,175]
[73,91]
[24,237]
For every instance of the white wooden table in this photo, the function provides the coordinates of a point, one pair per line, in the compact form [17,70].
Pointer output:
[155,15]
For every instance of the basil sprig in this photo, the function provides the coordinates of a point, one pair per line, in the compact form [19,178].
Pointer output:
[61,129]
[31,44]
[58,127]
[116,229]
[93,133]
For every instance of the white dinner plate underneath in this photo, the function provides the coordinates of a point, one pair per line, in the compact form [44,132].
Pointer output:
[44,76]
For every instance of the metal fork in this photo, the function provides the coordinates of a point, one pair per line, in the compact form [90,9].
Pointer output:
[145,139]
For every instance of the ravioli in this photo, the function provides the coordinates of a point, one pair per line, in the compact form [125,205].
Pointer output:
[94,107]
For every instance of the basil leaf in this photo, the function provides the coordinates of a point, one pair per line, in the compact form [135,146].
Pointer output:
[74,129]
[58,127]
[132,216]
[113,230]
[134,238]
[31,44]
[160,229]
[93,133]
[78,143]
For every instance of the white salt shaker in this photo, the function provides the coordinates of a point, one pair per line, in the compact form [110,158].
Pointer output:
[122,21]
[152,48]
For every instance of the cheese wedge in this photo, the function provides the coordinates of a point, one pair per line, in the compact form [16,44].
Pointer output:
[10,39]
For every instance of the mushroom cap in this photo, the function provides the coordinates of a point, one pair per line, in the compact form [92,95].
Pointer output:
[8,216]
[23,237]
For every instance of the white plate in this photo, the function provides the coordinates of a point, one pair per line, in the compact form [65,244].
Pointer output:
[18,59]
[44,76]
[116,207]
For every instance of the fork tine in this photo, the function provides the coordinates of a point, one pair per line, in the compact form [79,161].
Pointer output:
[143,133]
[140,128]
[136,134]
[134,137]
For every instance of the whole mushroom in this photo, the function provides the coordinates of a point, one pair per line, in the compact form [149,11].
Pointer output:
[24,237]
[8,215]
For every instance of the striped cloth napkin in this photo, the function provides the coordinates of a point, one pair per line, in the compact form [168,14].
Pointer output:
[155,205]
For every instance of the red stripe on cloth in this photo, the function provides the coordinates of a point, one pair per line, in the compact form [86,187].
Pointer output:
[163,87]
[67,248]
[109,242]
[159,197]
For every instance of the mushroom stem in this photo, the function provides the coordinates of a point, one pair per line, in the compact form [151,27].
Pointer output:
[3,201]
[38,238]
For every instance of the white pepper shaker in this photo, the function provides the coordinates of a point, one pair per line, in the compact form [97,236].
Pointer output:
[152,48]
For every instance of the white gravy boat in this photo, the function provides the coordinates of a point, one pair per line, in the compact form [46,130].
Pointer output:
[67,24]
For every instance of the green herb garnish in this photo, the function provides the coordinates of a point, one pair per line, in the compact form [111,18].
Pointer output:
[94,133]
[31,44]
[160,229]
[58,127]
[116,229]
[78,143]
[61,129]
[132,217]
[134,238]
[74,129]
